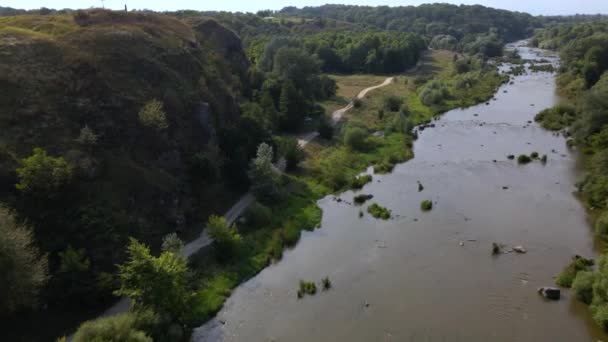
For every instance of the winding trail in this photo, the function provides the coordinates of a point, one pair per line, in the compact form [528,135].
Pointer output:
[336,116]
[241,205]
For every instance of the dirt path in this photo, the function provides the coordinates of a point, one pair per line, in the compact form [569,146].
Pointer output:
[337,115]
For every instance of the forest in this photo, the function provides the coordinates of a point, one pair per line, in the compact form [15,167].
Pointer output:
[125,133]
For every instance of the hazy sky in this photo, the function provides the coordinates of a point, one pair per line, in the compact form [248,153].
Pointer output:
[547,7]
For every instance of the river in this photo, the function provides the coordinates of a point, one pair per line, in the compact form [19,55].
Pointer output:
[431,276]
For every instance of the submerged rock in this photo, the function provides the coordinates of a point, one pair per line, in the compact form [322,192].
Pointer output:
[552,293]
[519,249]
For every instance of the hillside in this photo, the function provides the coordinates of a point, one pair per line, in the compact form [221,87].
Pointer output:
[73,85]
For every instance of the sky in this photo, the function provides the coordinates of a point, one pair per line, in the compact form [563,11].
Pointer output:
[536,7]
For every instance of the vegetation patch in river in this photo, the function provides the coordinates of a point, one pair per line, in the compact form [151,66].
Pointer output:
[379,212]
[523,159]
[426,205]
[362,198]
[307,288]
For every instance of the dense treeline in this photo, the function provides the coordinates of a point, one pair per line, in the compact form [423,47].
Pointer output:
[379,52]
[584,80]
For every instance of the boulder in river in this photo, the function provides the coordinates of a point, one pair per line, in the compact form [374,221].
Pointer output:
[552,293]
[519,249]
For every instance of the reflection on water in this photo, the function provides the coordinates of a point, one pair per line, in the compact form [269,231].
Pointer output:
[430,276]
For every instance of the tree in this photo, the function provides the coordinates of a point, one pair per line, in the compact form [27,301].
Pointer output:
[87,137]
[42,175]
[291,106]
[226,239]
[153,115]
[264,177]
[292,152]
[326,130]
[172,243]
[122,327]
[23,269]
[157,283]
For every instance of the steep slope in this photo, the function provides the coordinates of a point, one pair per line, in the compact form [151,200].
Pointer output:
[98,69]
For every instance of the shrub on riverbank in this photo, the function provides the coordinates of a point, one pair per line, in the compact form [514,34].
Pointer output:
[354,137]
[556,118]
[426,205]
[601,225]
[360,181]
[379,212]
[582,286]
[123,327]
[578,264]
[258,215]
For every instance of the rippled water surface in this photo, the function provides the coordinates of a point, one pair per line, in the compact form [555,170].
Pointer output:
[430,276]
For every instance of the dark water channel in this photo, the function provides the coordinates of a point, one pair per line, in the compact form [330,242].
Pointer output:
[431,276]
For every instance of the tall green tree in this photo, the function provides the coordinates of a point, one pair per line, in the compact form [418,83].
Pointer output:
[158,283]
[264,177]
[23,268]
[291,106]
[41,175]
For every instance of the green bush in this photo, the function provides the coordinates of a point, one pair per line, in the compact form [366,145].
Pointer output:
[226,238]
[121,327]
[601,225]
[556,118]
[426,205]
[583,286]
[357,103]
[392,103]
[578,264]
[385,166]
[534,155]
[434,93]
[360,181]
[258,215]
[523,159]
[379,212]
[355,137]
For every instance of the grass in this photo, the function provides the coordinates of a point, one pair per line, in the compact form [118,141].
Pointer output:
[351,85]
[379,212]
[426,205]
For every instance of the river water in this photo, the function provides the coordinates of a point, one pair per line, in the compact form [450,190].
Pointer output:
[431,276]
